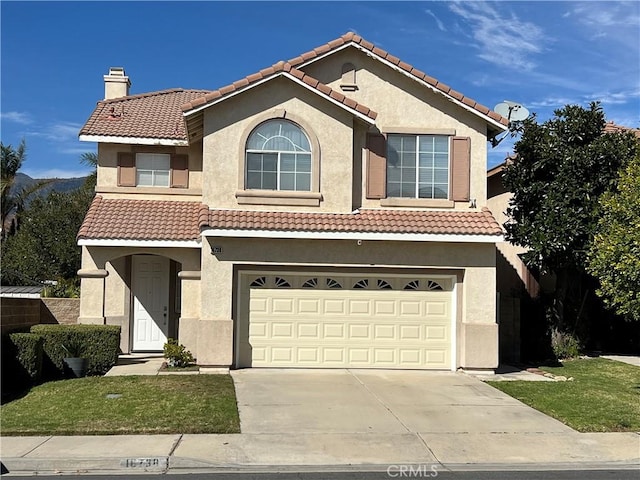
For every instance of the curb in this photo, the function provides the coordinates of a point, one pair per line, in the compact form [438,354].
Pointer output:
[118,466]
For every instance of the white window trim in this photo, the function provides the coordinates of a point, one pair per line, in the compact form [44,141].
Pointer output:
[417,166]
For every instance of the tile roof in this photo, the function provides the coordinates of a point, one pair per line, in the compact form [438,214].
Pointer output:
[278,69]
[125,219]
[611,127]
[351,37]
[375,221]
[149,115]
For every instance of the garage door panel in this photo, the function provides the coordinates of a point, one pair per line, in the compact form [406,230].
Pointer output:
[359,307]
[282,306]
[350,328]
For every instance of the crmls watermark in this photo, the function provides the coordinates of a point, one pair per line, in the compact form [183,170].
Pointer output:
[412,471]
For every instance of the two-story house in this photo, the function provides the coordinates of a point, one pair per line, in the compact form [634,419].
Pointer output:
[328,211]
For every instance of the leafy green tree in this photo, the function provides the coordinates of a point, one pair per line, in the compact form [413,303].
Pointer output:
[560,170]
[614,256]
[45,248]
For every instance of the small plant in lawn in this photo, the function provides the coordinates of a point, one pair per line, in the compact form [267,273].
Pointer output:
[176,354]
[565,345]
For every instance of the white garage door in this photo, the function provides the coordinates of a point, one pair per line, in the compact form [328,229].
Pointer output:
[356,327]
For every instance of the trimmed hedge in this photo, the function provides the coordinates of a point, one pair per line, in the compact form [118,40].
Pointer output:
[21,359]
[100,346]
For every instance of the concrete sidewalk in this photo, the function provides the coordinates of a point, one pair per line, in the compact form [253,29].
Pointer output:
[303,452]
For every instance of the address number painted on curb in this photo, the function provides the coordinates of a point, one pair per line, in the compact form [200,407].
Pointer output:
[150,462]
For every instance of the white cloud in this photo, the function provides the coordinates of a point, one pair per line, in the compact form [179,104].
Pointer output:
[439,23]
[58,132]
[615,98]
[55,173]
[502,39]
[18,117]
[607,14]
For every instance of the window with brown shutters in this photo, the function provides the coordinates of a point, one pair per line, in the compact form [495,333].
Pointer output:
[146,169]
[179,171]
[126,169]
[460,168]
[376,166]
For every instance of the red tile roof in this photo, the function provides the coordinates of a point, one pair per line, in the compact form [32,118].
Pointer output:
[123,219]
[375,221]
[611,127]
[274,70]
[149,115]
[352,38]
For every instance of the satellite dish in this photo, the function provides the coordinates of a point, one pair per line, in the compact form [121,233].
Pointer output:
[512,111]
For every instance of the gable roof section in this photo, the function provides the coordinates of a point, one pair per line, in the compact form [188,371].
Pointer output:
[365,224]
[149,118]
[156,220]
[192,109]
[351,39]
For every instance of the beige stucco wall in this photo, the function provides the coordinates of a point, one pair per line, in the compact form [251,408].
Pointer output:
[107,184]
[404,103]
[475,264]
[226,124]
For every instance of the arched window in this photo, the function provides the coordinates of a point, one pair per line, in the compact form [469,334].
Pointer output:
[278,157]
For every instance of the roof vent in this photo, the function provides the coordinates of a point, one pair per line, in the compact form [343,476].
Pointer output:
[116,83]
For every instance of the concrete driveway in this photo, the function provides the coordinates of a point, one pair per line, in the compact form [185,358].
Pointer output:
[273,401]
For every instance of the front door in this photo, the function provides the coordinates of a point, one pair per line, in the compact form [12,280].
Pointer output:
[150,302]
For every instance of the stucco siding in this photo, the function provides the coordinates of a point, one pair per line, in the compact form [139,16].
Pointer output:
[226,125]
[401,102]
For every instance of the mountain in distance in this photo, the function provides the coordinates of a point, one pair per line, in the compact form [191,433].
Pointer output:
[62,185]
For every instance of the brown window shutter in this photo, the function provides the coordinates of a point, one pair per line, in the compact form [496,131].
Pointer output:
[460,168]
[126,169]
[179,171]
[376,166]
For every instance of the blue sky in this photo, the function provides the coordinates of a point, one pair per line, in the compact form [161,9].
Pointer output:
[542,54]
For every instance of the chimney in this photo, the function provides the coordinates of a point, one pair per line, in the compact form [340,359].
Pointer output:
[116,84]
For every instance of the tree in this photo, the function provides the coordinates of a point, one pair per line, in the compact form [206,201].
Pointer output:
[560,170]
[11,162]
[12,203]
[45,247]
[614,256]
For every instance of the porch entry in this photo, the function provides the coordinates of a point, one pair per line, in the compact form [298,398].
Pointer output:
[150,302]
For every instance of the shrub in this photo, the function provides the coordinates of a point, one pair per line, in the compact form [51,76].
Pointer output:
[100,346]
[564,344]
[22,359]
[177,355]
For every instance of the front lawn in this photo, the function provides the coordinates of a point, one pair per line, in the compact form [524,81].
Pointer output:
[125,405]
[603,397]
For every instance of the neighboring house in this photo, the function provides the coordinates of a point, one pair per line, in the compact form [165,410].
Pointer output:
[514,280]
[328,211]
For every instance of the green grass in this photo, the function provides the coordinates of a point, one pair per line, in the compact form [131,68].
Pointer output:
[148,404]
[603,397]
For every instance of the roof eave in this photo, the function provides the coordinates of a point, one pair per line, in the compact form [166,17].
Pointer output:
[173,142]
[496,124]
[354,112]
[386,236]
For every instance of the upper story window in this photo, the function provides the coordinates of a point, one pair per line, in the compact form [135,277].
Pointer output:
[278,157]
[153,169]
[418,166]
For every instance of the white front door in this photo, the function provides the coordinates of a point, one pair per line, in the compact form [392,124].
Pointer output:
[150,302]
